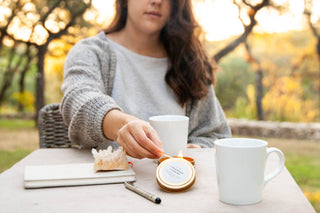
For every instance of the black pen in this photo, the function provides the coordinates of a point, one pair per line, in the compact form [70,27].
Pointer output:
[143,193]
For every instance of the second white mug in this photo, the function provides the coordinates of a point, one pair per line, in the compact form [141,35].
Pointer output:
[172,131]
[240,164]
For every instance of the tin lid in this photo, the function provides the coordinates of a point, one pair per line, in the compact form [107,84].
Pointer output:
[191,160]
[175,174]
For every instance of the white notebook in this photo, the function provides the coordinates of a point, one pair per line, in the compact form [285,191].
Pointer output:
[72,175]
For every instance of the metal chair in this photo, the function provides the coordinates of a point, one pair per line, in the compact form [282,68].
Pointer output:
[53,132]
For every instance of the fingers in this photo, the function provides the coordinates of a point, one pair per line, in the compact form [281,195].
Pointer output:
[127,142]
[141,133]
[190,145]
[153,135]
[140,140]
[147,138]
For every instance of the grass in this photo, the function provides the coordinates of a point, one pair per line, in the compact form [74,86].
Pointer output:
[305,170]
[9,158]
[16,124]
[20,137]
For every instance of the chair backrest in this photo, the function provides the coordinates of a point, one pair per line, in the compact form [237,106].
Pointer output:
[53,132]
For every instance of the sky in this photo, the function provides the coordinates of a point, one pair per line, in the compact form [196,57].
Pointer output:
[219,18]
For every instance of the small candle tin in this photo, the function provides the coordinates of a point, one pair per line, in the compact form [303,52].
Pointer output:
[191,160]
[175,174]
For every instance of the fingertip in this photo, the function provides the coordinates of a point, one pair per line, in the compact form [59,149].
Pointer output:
[153,135]
[159,154]
[158,143]
[161,150]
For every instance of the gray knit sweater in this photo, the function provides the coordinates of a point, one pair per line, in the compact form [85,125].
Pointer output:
[89,72]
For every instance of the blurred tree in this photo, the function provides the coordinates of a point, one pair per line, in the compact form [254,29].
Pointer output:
[8,74]
[29,60]
[284,102]
[232,78]
[36,23]
[251,12]
[313,24]
[255,63]
[277,55]
[15,61]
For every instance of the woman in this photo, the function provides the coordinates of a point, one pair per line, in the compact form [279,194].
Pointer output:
[148,62]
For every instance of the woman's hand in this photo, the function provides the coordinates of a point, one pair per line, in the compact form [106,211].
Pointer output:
[136,136]
[190,145]
[140,140]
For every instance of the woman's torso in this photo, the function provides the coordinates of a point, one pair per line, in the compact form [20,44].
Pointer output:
[139,85]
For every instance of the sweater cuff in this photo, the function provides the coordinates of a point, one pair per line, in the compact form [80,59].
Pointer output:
[96,122]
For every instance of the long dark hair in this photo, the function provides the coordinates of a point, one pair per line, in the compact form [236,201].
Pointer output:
[190,73]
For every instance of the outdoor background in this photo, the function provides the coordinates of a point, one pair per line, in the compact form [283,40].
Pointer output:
[267,55]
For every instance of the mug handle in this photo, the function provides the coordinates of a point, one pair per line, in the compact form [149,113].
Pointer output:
[280,165]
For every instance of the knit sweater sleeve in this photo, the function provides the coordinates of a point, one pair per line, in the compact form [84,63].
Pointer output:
[207,121]
[85,101]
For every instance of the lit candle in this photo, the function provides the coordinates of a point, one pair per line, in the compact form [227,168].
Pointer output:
[180,155]
[175,173]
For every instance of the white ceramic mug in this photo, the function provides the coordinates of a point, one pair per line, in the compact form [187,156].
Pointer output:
[172,131]
[240,165]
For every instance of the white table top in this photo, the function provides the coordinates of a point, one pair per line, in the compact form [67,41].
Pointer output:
[281,194]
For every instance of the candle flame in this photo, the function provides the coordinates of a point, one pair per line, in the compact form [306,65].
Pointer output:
[180,155]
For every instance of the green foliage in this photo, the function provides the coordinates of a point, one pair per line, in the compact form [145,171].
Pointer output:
[284,102]
[239,110]
[232,80]
[8,159]
[13,96]
[304,169]
[281,56]
[242,109]
[31,26]
[26,99]
[11,100]
[16,124]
